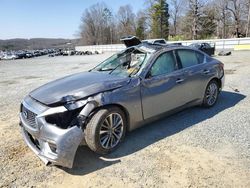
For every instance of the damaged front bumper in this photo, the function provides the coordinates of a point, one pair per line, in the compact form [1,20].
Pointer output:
[49,142]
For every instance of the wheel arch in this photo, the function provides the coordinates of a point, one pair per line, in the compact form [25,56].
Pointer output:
[218,81]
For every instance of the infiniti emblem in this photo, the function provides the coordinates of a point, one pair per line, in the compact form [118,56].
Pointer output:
[25,114]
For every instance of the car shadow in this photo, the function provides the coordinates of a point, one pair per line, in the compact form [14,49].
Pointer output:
[86,161]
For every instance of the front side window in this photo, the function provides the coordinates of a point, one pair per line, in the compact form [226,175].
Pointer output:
[164,64]
[190,58]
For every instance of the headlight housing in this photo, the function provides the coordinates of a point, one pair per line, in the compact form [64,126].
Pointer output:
[65,119]
[68,117]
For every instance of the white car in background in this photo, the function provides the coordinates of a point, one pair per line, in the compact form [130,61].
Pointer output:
[1,56]
[9,56]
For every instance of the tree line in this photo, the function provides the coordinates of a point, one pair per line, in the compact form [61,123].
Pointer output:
[169,19]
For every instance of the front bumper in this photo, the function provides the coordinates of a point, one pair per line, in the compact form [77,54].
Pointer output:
[48,142]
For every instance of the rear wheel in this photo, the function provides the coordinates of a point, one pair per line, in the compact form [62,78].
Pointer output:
[105,130]
[211,94]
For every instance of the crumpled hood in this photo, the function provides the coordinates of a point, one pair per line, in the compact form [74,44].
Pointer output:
[79,85]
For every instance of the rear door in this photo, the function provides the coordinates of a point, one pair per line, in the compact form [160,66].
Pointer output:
[162,89]
[195,73]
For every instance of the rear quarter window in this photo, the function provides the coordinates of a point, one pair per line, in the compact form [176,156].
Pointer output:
[190,58]
[200,57]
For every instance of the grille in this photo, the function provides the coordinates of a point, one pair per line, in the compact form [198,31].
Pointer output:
[29,117]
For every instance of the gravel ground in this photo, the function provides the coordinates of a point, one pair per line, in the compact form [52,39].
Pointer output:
[193,148]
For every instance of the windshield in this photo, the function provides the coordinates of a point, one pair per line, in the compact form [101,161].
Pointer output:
[127,63]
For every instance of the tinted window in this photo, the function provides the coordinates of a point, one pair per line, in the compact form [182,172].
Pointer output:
[164,64]
[207,45]
[200,57]
[188,58]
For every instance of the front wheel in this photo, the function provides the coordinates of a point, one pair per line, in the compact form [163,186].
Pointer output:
[105,130]
[211,94]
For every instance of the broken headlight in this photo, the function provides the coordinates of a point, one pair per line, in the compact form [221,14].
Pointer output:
[65,119]
[71,103]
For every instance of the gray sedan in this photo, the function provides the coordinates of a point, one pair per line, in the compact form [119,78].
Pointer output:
[129,89]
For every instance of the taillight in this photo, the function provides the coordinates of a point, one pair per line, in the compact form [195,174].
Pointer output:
[221,65]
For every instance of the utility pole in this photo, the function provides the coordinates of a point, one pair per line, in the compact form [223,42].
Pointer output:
[194,8]
[248,19]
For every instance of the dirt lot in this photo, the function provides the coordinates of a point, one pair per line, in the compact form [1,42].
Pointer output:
[194,148]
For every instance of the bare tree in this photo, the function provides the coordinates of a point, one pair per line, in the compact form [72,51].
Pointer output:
[190,19]
[236,7]
[94,24]
[194,6]
[126,21]
[222,17]
[223,7]
[248,19]
[176,10]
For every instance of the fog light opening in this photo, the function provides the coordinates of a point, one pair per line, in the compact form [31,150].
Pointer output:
[53,147]
[34,141]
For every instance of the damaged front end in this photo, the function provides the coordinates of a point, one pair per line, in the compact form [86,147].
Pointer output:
[54,133]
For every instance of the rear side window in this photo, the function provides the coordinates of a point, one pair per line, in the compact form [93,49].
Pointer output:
[200,57]
[189,58]
[164,64]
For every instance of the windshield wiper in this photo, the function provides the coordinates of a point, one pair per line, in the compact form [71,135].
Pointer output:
[108,69]
[120,64]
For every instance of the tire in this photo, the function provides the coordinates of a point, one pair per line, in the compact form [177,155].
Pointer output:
[109,139]
[211,94]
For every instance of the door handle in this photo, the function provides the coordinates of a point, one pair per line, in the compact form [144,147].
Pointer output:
[179,80]
[206,71]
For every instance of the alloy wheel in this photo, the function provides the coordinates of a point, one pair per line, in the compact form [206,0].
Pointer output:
[111,130]
[212,94]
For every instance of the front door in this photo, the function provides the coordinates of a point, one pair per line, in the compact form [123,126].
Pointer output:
[161,90]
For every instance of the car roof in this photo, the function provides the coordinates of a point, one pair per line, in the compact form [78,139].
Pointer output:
[152,40]
[154,48]
[158,46]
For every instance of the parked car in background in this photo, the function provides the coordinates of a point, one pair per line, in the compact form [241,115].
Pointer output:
[205,47]
[29,54]
[37,53]
[20,55]
[1,55]
[160,41]
[9,56]
[155,41]
[23,55]
[68,52]
[127,90]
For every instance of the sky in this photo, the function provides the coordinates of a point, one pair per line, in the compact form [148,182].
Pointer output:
[49,18]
